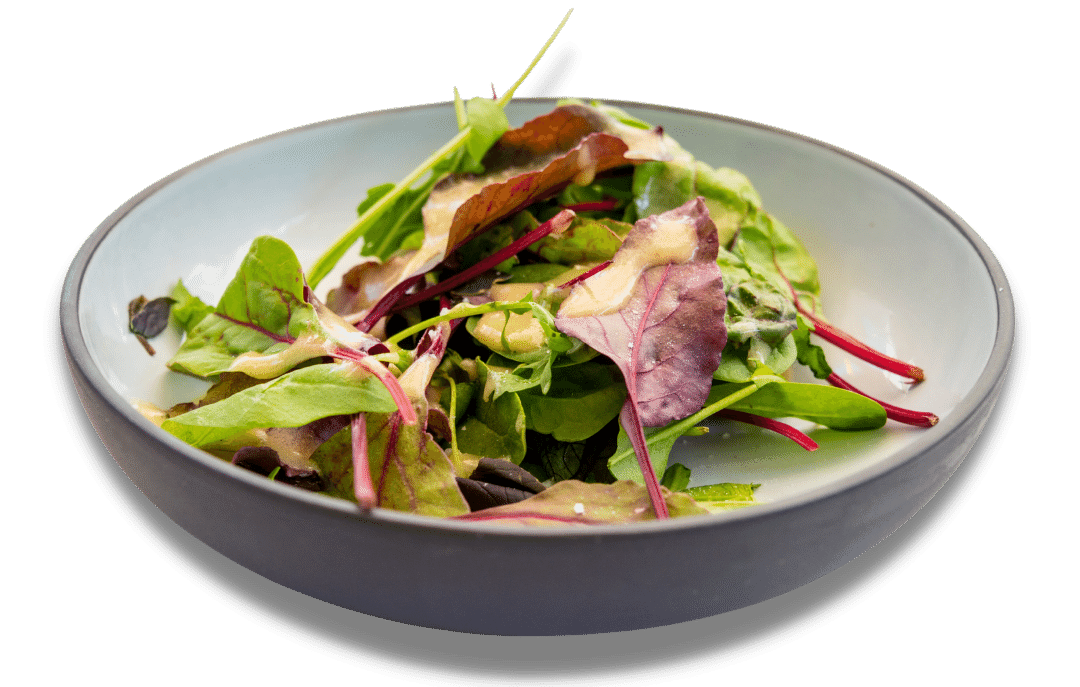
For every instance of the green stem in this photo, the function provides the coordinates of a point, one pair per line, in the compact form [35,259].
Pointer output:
[330,258]
[683,426]
[459,312]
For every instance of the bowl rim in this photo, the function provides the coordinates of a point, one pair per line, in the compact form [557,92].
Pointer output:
[984,387]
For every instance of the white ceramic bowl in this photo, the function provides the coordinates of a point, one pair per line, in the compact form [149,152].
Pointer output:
[899,270]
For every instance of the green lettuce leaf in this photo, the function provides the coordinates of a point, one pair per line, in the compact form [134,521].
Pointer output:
[582,399]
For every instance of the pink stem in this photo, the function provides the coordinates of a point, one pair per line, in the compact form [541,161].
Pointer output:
[383,375]
[629,417]
[908,417]
[362,486]
[557,223]
[771,425]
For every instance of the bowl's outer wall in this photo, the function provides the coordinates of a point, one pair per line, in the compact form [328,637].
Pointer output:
[472,579]
[642,579]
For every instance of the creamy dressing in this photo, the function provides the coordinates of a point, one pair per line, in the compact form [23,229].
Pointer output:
[263,366]
[523,332]
[672,241]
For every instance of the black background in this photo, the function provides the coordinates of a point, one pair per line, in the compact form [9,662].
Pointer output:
[918,98]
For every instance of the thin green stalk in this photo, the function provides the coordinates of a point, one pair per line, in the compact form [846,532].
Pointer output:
[330,258]
[459,312]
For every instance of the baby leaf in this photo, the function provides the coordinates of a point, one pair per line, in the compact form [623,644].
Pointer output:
[497,427]
[294,399]
[262,310]
[582,399]
[826,405]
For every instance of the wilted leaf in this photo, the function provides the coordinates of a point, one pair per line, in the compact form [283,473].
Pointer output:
[577,503]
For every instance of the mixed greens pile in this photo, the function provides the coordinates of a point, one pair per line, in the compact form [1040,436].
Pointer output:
[528,332]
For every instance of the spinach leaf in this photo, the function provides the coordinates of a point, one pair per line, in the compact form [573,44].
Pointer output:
[826,405]
[291,400]
[497,427]
[582,400]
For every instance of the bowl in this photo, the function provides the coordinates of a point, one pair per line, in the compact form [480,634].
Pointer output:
[899,270]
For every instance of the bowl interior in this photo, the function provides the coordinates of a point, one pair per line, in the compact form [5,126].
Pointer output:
[896,269]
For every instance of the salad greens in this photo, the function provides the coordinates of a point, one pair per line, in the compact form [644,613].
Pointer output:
[528,332]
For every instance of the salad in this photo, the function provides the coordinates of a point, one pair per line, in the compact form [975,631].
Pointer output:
[535,316]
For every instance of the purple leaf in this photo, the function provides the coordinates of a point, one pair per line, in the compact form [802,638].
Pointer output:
[658,312]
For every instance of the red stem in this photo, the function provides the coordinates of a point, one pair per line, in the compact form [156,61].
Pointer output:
[629,417]
[771,425]
[606,204]
[386,303]
[847,342]
[383,375]
[908,417]
[860,350]
[557,223]
[585,275]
